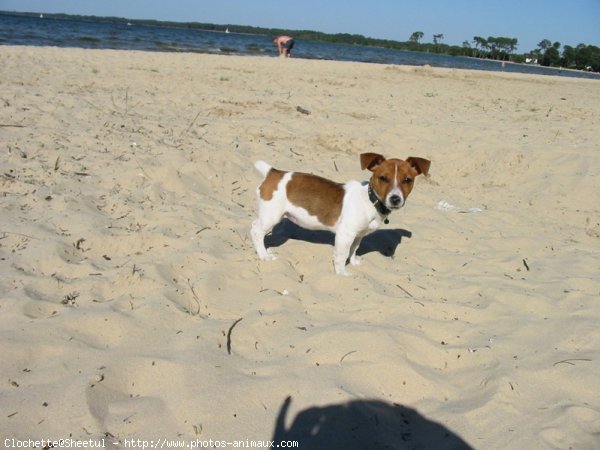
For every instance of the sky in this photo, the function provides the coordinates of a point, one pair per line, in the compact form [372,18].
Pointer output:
[570,22]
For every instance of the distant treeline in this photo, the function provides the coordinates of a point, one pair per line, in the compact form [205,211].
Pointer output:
[582,57]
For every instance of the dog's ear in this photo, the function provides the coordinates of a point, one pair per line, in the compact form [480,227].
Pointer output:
[420,164]
[370,160]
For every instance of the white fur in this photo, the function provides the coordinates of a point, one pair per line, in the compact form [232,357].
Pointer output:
[394,192]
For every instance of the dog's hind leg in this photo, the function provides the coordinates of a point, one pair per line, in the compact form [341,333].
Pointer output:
[258,232]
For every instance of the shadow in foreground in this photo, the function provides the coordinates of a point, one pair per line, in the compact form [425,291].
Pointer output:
[382,241]
[364,425]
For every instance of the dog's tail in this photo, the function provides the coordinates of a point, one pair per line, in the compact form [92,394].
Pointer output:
[262,167]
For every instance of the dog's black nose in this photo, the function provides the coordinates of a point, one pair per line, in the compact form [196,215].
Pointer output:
[395,200]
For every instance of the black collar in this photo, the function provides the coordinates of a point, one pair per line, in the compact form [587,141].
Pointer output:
[379,206]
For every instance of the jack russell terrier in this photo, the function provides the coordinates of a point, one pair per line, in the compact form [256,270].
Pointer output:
[351,210]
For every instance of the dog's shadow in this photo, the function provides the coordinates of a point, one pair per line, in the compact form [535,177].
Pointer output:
[383,241]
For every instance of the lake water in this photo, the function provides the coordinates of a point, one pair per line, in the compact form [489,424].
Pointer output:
[19,30]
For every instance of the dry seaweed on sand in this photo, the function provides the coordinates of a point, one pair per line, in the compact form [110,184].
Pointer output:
[229,335]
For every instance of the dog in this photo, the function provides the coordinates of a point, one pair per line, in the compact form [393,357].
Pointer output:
[350,210]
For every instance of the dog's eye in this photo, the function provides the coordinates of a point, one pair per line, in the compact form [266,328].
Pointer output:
[407,180]
[384,179]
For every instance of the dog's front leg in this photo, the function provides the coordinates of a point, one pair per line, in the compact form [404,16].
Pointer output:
[354,259]
[341,251]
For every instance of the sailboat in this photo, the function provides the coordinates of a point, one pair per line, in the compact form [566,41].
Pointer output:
[227,30]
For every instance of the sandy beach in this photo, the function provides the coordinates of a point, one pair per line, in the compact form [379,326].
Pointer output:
[128,189]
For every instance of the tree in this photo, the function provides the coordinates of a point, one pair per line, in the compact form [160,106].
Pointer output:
[587,57]
[513,43]
[481,44]
[551,55]
[416,37]
[437,38]
[569,57]
[545,44]
[503,47]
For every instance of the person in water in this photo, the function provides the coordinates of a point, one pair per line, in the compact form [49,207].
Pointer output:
[284,44]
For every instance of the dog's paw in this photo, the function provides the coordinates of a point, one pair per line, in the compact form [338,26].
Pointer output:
[356,261]
[343,272]
[267,256]
[270,256]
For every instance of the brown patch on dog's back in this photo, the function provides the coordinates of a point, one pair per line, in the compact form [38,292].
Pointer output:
[270,183]
[320,197]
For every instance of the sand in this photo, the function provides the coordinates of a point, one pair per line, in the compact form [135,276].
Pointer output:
[127,188]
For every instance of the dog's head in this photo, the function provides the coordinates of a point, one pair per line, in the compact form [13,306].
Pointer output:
[393,178]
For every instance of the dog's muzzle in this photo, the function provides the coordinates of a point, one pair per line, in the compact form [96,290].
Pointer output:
[395,201]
